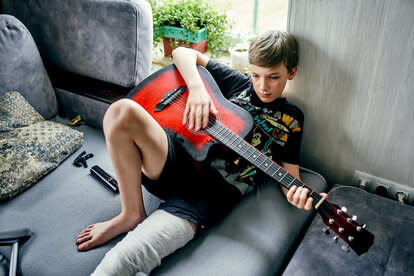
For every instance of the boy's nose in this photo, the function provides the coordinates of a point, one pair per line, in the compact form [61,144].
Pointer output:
[262,84]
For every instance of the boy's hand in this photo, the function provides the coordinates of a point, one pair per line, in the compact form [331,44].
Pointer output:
[198,108]
[298,196]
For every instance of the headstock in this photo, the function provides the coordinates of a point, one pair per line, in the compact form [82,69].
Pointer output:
[346,227]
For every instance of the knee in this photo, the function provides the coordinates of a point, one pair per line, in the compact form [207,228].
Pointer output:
[120,116]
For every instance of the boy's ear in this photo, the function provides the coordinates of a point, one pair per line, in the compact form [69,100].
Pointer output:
[292,73]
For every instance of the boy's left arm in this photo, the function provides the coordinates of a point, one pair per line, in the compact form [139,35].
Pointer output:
[297,196]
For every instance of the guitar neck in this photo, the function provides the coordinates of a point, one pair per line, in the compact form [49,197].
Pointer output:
[258,159]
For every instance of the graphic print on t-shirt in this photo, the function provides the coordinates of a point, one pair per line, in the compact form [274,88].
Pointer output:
[270,134]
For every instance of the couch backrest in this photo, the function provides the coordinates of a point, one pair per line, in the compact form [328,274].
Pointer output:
[355,85]
[104,40]
[21,67]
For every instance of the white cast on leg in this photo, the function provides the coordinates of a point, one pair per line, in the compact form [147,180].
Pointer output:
[142,249]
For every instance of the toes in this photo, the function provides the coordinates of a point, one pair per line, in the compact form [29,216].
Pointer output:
[81,240]
[85,246]
[85,231]
[82,236]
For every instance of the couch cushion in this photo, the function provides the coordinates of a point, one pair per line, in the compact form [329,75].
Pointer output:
[391,222]
[105,40]
[30,146]
[22,68]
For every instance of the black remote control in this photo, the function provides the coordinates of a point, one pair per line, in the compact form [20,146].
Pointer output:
[105,178]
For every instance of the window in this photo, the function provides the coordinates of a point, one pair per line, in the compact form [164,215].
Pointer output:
[269,15]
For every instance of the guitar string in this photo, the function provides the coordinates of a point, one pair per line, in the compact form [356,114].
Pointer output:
[180,105]
[281,171]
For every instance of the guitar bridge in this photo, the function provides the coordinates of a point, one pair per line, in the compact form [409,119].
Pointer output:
[170,97]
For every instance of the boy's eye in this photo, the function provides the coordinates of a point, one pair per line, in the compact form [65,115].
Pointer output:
[274,77]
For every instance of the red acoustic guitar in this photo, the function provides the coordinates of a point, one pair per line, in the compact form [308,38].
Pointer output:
[164,95]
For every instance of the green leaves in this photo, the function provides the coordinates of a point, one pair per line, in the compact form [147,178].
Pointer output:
[192,15]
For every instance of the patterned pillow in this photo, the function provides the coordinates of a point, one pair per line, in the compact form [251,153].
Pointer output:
[15,112]
[30,147]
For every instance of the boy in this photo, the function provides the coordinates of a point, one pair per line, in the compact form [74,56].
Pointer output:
[196,196]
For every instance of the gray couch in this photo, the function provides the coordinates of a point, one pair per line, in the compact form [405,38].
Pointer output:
[108,44]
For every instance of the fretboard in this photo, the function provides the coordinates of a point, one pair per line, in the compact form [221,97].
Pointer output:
[257,158]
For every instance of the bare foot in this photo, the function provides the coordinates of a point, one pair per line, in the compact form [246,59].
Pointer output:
[99,233]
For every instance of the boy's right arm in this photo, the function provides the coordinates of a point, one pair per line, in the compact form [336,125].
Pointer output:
[199,104]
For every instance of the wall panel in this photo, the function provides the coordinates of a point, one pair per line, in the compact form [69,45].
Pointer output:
[355,85]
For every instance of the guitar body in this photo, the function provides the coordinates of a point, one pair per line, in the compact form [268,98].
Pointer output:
[151,91]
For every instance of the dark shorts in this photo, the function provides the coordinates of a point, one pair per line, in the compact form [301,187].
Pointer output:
[190,190]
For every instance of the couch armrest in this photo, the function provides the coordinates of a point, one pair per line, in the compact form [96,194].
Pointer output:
[106,40]
[21,67]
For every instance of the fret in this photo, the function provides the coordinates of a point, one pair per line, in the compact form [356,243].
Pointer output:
[230,138]
[220,134]
[230,142]
[247,148]
[247,157]
[267,167]
[316,197]
[240,145]
[264,160]
[283,176]
[225,136]
[293,180]
[254,156]
[276,171]
[215,132]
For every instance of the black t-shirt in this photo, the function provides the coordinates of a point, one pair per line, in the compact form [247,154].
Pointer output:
[277,129]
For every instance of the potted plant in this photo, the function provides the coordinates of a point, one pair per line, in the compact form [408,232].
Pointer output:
[192,23]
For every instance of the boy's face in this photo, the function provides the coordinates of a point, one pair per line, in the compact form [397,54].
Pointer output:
[269,82]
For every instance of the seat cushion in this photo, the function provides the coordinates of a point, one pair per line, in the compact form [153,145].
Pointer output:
[256,238]
[59,207]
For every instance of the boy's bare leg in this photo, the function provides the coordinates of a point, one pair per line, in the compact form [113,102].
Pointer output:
[135,143]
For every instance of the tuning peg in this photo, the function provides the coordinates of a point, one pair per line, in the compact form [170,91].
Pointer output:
[335,239]
[331,221]
[345,248]
[359,228]
[341,229]
[326,230]
[354,218]
[350,238]
[344,209]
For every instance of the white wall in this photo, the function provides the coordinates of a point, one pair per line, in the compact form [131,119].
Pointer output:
[355,85]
